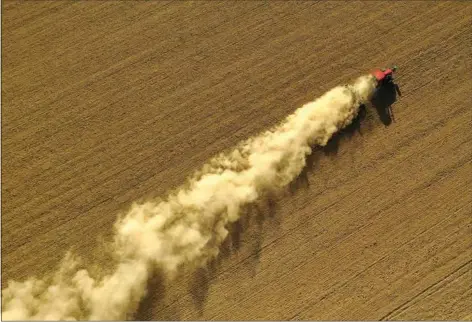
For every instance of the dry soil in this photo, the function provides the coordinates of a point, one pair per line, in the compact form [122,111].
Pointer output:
[105,103]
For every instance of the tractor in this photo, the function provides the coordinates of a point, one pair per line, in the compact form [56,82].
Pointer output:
[384,76]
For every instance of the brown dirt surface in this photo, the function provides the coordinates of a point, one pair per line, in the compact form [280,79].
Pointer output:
[105,103]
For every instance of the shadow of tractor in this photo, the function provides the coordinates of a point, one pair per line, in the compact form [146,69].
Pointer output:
[383,99]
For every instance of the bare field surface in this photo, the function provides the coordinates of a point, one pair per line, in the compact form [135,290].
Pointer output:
[105,103]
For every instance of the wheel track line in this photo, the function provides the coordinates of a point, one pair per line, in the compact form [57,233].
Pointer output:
[335,287]
[105,200]
[385,208]
[405,146]
[440,283]
[297,266]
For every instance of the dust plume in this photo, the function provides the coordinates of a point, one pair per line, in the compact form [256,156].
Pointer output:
[187,228]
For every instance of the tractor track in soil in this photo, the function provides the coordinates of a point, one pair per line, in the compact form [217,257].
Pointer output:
[106,103]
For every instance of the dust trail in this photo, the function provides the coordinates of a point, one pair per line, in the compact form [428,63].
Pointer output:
[188,227]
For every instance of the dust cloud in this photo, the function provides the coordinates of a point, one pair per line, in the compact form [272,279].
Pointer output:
[187,228]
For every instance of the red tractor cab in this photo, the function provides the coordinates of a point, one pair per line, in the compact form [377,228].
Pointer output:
[384,76]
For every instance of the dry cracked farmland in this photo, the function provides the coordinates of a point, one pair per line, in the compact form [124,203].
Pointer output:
[108,103]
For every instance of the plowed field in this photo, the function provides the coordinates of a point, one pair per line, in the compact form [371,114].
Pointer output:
[105,103]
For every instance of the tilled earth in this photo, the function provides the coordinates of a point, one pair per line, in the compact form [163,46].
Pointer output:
[105,103]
